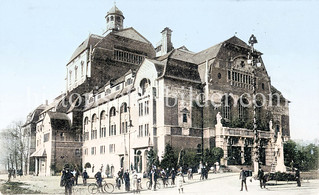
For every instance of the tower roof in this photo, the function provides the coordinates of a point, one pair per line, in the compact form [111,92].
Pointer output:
[115,10]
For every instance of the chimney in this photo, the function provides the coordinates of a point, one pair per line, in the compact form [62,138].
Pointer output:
[46,102]
[165,45]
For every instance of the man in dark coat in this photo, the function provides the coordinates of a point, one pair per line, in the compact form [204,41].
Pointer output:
[298,177]
[126,177]
[85,176]
[243,177]
[261,178]
[98,177]
[68,178]
[173,174]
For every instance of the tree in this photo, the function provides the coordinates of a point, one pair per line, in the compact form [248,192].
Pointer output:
[304,157]
[152,159]
[170,158]
[290,152]
[213,155]
[13,141]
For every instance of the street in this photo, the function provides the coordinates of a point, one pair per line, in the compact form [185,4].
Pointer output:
[223,183]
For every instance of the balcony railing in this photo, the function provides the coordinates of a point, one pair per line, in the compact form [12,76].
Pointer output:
[245,132]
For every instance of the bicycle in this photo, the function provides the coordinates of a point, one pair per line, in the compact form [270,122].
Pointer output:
[94,188]
[148,185]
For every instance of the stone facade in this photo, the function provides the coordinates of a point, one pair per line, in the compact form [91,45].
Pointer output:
[121,101]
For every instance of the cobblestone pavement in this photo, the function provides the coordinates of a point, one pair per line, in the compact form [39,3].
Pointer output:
[222,183]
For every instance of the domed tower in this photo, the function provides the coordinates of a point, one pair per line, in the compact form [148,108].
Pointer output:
[114,19]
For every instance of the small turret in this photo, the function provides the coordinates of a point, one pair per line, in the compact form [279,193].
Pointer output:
[114,19]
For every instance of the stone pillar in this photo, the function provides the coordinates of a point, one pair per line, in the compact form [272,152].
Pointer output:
[280,166]
[36,166]
[242,150]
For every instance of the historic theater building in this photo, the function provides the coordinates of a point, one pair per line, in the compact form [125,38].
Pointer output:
[132,97]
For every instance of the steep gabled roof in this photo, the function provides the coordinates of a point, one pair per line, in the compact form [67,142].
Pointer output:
[58,115]
[91,40]
[236,41]
[131,33]
[210,53]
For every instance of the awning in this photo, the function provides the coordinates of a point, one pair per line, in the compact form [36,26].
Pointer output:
[39,153]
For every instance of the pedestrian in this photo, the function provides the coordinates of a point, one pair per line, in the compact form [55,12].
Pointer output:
[206,171]
[118,180]
[126,177]
[14,173]
[135,183]
[98,177]
[180,181]
[297,175]
[154,176]
[68,177]
[62,180]
[9,174]
[85,176]
[217,167]
[173,174]
[121,175]
[243,177]
[261,178]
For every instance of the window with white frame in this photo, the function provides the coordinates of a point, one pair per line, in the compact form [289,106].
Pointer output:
[93,150]
[147,131]
[102,149]
[140,131]
[112,148]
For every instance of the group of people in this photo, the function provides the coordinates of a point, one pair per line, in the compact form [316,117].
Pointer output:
[70,178]
[156,173]
[262,177]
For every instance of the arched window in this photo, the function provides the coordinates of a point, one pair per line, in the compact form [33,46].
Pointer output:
[86,121]
[112,112]
[107,19]
[94,118]
[102,116]
[123,107]
[243,108]
[227,103]
[144,84]
[112,18]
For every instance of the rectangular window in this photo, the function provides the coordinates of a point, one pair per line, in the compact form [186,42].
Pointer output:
[147,133]
[112,148]
[93,150]
[102,149]
[77,152]
[147,110]
[140,111]
[140,131]
[112,130]
[86,151]
[184,117]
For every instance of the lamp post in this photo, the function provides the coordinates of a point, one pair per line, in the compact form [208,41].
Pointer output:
[252,41]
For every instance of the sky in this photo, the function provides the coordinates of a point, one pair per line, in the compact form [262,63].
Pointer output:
[37,38]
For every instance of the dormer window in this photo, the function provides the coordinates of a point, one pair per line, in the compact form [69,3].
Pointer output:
[108,91]
[145,84]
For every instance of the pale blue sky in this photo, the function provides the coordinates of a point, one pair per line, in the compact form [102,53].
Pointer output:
[37,39]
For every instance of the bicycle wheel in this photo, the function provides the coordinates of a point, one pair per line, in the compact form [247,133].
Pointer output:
[158,185]
[148,185]
[93,188]
[108,188]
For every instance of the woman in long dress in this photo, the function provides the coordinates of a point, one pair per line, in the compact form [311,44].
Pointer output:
[180,180]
